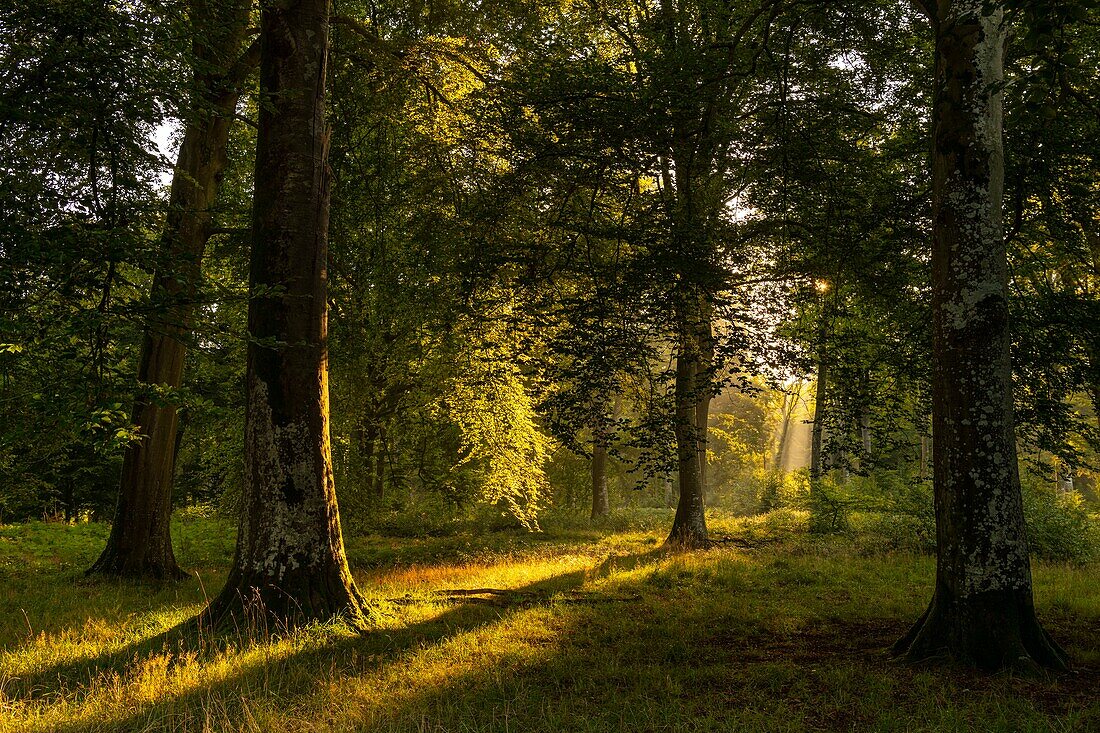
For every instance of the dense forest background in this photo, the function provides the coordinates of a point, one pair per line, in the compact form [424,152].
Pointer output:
[507,241]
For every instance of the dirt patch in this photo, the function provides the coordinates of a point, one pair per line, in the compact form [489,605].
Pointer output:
[829,641]
[866,643]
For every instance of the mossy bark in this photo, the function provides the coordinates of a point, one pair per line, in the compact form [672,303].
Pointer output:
[140,543]
[982,613]
[290,566]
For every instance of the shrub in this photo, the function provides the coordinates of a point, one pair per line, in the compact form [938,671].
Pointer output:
[1059,527]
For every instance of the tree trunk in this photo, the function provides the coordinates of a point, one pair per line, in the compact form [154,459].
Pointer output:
[981,613]
[1064,477]
[378,480]
[817,440]
[925,446]
[689,526]
[704,391]
[670,491]
[140,543]
[290,564]
[601,506]
[865,430]
[784,431]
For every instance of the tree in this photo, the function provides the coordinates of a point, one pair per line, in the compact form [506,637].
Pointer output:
[290,561]
[982,611]
[140,543]
[84,85]
[601,504]
[681,72]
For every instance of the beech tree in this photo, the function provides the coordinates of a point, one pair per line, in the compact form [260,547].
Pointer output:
[982,612]
[290,561]
[140,543]
[601,505]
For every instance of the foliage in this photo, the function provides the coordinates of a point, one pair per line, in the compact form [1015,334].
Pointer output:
[1060,527]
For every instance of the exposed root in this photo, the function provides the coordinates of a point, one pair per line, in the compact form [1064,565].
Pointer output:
[111,566]
[999,636]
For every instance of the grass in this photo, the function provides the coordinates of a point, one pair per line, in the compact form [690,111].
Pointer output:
[773,631]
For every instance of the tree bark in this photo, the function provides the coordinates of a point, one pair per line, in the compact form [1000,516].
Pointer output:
[140,543]
[689,526]
[786,414]
[982,613]
[601,506]
[817,434]
[865,430]
[704,391]
[290,564]
[925,452]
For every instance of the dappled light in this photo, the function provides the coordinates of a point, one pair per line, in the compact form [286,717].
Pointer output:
[575,635]
[618,365]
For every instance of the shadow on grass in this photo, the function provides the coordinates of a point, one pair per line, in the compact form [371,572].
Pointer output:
[653,663]
[626,563]
[611,659]
[352,655]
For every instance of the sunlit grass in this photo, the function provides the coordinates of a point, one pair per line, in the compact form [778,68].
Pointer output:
[772,631]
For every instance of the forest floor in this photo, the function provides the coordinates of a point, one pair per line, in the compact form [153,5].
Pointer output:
[592,629]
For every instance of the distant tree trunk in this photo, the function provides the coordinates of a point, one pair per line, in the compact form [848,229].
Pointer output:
[69,500]
[378,480]
[689,526]
[1063,477]
[1092,340]
[1093,376]
[670,491]
[601,505]
[982,612]
[865,430]
[704,391]
[817,434]
[140,543]
[367,435]
[790,403]
[290,562]
[925,451]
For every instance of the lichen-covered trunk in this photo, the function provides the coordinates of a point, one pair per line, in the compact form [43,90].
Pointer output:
[290,563]
[140,543]
[689,526]
[981,612]
[601,505]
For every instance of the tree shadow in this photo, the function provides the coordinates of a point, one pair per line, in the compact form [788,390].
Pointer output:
[354,654]
[628,562]
[611,658]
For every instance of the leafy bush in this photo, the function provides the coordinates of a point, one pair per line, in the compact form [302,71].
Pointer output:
[1059,526]
[830,502]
